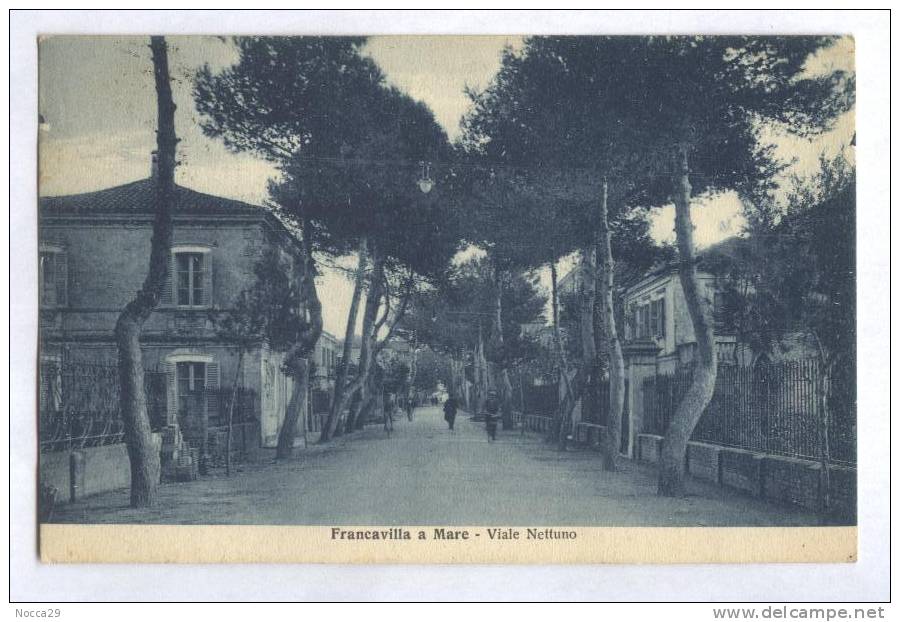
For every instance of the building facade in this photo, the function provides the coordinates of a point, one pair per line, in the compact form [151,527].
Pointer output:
[94,253]
[656,312]
[328,351]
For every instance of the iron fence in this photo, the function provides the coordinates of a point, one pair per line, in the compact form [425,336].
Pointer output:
[79,404]
[769,408]
[542,400]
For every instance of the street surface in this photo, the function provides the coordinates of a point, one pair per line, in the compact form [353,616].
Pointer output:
[423,474]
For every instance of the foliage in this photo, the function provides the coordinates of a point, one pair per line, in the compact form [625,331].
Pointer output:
[796,271]
[394,375]
[348,146]
[432,367]
[447,317]
[575,109]
[271,309]
[287,93]
[369,187]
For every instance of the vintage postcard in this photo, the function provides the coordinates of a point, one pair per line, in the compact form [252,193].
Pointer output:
[447,299]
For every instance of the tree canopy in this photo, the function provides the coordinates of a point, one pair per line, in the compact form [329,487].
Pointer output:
[349,148]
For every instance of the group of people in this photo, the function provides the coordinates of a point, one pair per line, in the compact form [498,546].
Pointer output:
[491,407]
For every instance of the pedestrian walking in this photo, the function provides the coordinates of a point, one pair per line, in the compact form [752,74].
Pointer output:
[492,407]
[450,408]
[410,407]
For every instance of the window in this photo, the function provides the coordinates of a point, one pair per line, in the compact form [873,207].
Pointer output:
[644,321]
[650,320]
[191,279]
[720,312]
[53,275]
[658,317]
[191,383]
[189,282]
[50,396]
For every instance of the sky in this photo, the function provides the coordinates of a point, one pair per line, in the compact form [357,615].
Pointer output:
[97,97]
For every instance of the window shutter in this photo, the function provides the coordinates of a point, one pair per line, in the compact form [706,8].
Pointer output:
[207,280]
[212,390]
[662,317]
[167,293]
[62,279]
[171,393]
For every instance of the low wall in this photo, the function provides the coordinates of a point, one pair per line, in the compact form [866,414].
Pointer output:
[245,442]
[590,434]
[795,481]
[703,461]
[741,470]
[537,423]
[648,446]
[842,492]
[82,472]
[777,478]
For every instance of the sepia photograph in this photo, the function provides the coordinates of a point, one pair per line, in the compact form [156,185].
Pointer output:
[446,298]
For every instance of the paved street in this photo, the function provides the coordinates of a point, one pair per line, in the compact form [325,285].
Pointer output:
[424,474]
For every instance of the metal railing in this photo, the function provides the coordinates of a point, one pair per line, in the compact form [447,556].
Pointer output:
[772,409]
[79,404]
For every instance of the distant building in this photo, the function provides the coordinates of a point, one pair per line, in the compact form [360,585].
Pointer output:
[328,351]
[656,311]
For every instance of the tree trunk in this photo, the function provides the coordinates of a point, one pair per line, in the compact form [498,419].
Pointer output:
[143,455]
[337,399]
[568,404]
[503,384]
[612,440]
[296,406]
[703,376]
[296,362]
[234,392]
[367,346]
[480,373]
[590,369]
[823,391]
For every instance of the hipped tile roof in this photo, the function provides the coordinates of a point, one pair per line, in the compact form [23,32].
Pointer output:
[139,197]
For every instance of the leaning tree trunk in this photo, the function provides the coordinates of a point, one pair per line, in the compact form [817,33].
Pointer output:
[143,454]
[612,440]
[502,375]
[337,398]
[296,362]
[299,371]
[367,347]
[365,354]
[703,376]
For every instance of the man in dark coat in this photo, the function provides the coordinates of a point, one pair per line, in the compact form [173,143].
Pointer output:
[450,407]
[492,407]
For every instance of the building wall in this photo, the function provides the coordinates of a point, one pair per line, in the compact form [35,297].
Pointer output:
[107,263]
[676,348]
[104,273]
[326,355]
